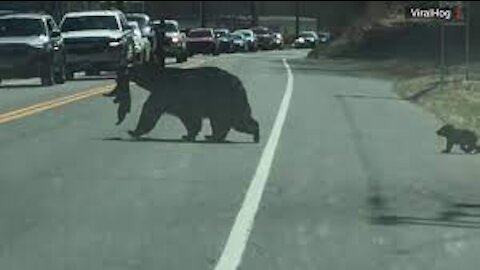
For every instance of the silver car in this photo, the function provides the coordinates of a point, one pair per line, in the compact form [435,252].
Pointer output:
[142,48]
[250,38]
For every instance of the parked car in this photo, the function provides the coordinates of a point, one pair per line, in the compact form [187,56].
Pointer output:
[31,46]
[142,50]
[97,41]
[174,41]
[225,40]
[265,37]
[250,37]
[306,39]
[278,41]
[202,40]
[239,42]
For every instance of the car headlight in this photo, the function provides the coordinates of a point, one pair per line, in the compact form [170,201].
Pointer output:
[175,39]
[37,45]
[114,43]
[301,40]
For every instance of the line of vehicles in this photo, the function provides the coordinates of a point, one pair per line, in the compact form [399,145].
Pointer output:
[33,45]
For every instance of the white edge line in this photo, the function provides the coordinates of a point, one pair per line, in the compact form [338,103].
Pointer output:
[231,256]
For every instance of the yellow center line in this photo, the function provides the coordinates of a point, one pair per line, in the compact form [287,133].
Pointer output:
[47,105]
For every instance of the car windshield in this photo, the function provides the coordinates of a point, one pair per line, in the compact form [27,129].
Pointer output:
[199,33]
[221,33]
[141,20]
[90,23]
[307,35]
[245,33]
[236,36]
[17,27]
[171,27]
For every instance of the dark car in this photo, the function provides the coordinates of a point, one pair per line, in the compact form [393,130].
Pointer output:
[225,40]
[265,38]
[97,41]
[202,40]
[31,46]
[174,43]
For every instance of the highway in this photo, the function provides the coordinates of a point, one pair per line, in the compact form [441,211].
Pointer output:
[346,176]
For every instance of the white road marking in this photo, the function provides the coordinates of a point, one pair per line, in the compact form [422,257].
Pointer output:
[237,240]
[10,82]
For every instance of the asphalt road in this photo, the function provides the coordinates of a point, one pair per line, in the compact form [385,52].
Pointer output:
[350,177]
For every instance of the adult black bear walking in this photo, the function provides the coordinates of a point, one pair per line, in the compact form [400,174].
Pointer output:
[192,95]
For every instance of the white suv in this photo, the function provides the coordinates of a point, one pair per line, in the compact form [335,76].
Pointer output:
[97,41]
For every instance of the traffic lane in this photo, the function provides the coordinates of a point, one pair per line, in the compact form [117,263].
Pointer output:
[350,152]
[77,194]
[16,94]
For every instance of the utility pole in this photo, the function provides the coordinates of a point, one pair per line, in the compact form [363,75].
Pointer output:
[442,49]
[120,5]
[297,18]
[467,40]
[202,13]
[442,54]
[254,13]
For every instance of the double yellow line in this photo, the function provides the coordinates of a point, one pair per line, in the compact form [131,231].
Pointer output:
[47,105]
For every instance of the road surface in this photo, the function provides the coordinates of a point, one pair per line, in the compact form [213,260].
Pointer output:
[346,176]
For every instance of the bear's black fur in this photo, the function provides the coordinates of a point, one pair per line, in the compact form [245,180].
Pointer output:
[466,139]
[192,95]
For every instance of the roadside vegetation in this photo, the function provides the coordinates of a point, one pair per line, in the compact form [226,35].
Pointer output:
[413,51]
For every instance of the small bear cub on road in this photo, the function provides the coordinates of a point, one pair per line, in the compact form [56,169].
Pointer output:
[466,139]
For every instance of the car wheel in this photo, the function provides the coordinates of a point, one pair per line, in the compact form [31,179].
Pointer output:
[48,74]
[179,59]
[60,75]
[183,57]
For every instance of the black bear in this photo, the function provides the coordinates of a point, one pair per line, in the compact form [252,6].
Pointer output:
[192,95]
